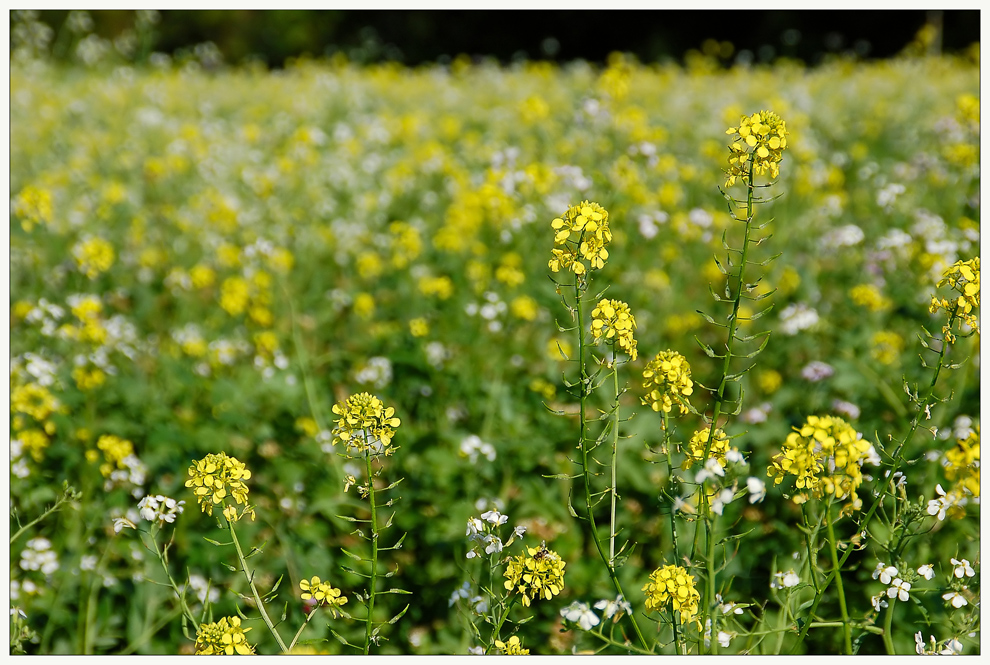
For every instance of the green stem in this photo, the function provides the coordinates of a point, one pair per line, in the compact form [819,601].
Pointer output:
[66,496]
[162,555]
[888,620]
[309,616]
[615,450]
[670,480]
[710,582]
[864,523]
[254,589]
[496,632]
[723,383]
[584,383]
[809,536]
[374,552]
[846,634]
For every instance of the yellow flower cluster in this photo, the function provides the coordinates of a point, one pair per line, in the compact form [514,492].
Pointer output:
[323,594]
[825,455]
[34,206]
[93,256]
[115,451]
[612,319]
[696,447]
[668,378]
[511,648]
[37,403]
[964,464]
[363,420]
[215,477]
[761,137]
[580,233]
[673,584]
[238,295]
[964,278]
[869,296]
[223,638]
[887,346]
[539,575]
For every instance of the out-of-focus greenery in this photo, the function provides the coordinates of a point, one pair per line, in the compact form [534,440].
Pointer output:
[282,240]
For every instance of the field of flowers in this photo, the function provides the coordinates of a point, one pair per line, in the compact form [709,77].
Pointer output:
[325,301]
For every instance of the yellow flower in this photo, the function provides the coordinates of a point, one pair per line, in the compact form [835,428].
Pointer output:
[580,233]
[869,296]
[93,256]
[223,637]
[115,451]
[826,456]
[88,378]
[611,319]
[672,584]
[202,276]
[511,648]
[539,575]
[34,400]
[887,346]
[419,327]
[696,447]
[762,138]
[234,295]
[525,308]
[964,278]
[364,305]
[442,287]
[669,376]
[323,594]
[34,206]
[215,477]
[363,421]
[964,464]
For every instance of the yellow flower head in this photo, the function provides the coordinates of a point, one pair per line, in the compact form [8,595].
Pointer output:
[93,256]
[217,476]
[964,464]
[511,648]
[34,206]
[323,594]
[115,451]
[580,234]
[538,575]
[964,278]
[826,456]
[696,447]
[223,637]
[887,346]
[364,420]
[761,138]
[672,584]
[611,319]
[669,377]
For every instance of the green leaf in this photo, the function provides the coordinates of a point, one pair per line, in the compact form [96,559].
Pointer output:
[356,557]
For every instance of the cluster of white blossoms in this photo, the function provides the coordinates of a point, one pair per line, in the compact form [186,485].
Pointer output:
[581,613]
[484,533]
[160,508]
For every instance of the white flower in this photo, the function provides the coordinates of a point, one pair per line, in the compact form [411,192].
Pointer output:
[463,592]
[680,505]
[495,517]
[878,602]
[474,528]
[884,572]
[926,571]
[611,607]
[952,647]
[579,613]
[962,568]
[519,531]
[919,644]
[785,580]
[734,456]
[160,508]
[476,651]
[88,562]
[494,544]
[899,588]
[18,611]
[955,598]
[757,489]
[721,500]
[712,469]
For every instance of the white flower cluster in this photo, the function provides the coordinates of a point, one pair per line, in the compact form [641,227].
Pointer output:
[478,604]
[472,446]
[949,647]
[160,508]
[797,317]
[581,614]
[377,372]
[484,532]
[945,501]
[38,555]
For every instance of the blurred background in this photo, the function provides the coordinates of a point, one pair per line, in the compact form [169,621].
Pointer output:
[417,36]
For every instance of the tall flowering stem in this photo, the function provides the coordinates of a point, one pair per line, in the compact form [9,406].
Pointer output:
[365,426]
[249,576]
[757,149]
[959,310]
[581,235]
